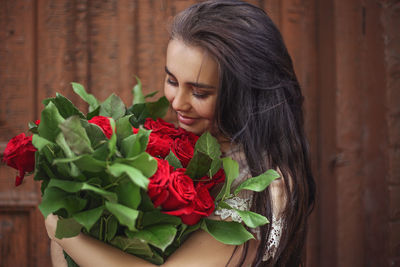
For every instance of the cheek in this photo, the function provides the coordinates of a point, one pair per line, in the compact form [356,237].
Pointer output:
[206,109]
[169,93]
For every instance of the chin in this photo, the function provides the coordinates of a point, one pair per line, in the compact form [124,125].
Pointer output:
[191,129]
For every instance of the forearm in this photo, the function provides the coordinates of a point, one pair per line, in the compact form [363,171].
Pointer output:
[57,255]
[87,252]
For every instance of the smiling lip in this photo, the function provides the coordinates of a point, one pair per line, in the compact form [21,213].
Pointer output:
[186,120]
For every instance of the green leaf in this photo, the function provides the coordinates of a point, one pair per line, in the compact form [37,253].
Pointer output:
[126,216]
[70,167]
[230,233]
[151,94]
[95,133]
[40,142]
[111,228]
[252,219]
[159,108]
[88,218]
[157,217]
[128,194]
[84,163]
[67,228]
[206,159]
[140,113]
[133,145]
[76,136]
[143,162]
[93,113]
[185,231]
[215,166]
[112,142]
[231,169]
[173,160]
[65,107]
[258,183]
[73,187]
[60,140]
[112,107]
[33,128]
[210,146]
[88,98]
[133,246]
[49,122]
[55,199]
[198,165]
[137,93]
[136,176]
[160,236]
[146,205]
[49,154]
[123,128]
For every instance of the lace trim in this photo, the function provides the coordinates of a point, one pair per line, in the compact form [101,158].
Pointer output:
[274,238]
[244,204]
[236,203]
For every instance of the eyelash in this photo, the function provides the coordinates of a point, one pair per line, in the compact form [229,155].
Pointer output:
[197,95]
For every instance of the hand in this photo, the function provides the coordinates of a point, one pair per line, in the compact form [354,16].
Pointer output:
[51,225]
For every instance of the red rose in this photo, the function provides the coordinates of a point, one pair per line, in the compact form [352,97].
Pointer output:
[219,177]
[203,206]
[157,189]
[37,122]
[104,124]
[183,149]
[162,128]
[159,145]
[20,154]
[181,191]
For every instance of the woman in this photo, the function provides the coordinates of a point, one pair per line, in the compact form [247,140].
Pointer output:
[228,72]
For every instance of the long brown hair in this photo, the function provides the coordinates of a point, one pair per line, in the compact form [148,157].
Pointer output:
[260,107]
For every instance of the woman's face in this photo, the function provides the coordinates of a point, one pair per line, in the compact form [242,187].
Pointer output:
[191,85]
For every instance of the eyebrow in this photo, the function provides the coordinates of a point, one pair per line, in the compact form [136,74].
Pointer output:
[194,84]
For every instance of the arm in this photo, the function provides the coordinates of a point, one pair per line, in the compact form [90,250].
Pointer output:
[200,249]
[57,255]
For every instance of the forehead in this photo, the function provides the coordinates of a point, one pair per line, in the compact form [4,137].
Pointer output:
[191,63]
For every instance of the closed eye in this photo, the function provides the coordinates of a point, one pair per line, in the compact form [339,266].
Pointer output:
[200,95]
[172,82]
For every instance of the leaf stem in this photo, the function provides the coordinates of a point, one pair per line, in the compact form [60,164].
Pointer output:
[101,229]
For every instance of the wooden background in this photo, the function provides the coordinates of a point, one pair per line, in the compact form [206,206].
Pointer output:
[347,58]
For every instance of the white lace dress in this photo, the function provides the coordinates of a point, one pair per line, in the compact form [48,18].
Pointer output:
[243,202]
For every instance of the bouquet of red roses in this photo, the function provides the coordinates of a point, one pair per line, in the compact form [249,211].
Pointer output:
[128,178]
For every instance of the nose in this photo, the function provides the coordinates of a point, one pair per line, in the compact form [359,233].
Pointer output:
[181,101]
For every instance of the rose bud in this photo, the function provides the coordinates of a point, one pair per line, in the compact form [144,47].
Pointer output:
[20,154]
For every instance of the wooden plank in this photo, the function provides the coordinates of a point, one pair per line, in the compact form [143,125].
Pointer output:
[56,50]
[349,134]
[152,38]
[103,46]
[375,159]
[327,150]
[14,241]
[390,20]
[127,13]
[17,105]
